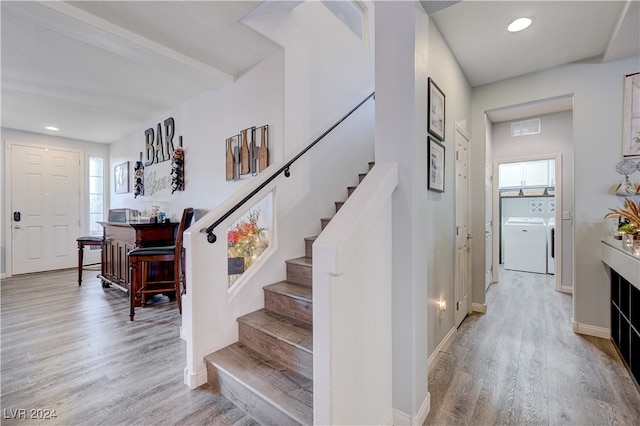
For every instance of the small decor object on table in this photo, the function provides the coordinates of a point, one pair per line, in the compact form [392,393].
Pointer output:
[436,105]
[177,169]
[436,165]
[625,168]
[121,178]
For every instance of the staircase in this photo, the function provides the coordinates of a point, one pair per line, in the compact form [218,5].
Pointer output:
[268,373]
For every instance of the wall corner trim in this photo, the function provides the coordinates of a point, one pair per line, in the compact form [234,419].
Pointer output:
[401,418]
[591,330]
[479,307]
[195,380]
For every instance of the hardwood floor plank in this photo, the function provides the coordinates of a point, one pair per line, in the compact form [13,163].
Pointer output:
[72,349]
[521,363]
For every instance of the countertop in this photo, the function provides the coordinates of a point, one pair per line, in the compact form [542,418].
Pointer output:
[621,260]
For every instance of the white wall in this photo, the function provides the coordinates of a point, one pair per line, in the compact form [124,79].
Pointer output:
[326,71]
[445,71]
[597,134]
[204,123]
[88,148]
[401,105]
[556,137]
[412,50]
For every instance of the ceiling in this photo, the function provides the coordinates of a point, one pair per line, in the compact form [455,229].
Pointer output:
[97,69]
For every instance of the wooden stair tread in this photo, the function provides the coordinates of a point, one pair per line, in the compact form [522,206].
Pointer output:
[288,330]
[315,237]
[296,291]
[285,389]
[302,261]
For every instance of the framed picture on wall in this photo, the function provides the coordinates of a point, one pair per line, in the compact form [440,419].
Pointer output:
[631,118]
[121,178]
[435,101]
[436,165]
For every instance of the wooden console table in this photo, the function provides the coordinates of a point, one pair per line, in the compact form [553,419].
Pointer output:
[120,238]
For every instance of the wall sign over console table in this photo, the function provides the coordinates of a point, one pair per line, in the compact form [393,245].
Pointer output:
[159,148]
[245,155]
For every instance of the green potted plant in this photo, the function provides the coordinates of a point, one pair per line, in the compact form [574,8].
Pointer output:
[629,217]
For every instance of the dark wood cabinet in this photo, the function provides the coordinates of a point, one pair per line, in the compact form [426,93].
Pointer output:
[120,238]
[625,321]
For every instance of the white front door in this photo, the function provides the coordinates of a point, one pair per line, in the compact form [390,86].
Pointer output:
[45,208]
[462,262]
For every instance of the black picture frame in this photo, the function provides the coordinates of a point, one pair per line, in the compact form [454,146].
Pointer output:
[437,155]
[436,110]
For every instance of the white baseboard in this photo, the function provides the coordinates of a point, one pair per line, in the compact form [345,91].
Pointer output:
[479,307]
[401,418]
[591,330]
[195,380]
[433,358]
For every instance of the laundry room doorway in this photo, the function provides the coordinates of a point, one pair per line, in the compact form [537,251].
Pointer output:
[534,144]
[527,200]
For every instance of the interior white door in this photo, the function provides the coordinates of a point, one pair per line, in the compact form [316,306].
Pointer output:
[462,262]
[488,226]
[45,208]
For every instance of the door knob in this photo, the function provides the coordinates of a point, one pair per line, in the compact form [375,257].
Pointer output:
[469,236]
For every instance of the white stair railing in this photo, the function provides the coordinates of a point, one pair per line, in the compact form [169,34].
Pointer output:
[352,364]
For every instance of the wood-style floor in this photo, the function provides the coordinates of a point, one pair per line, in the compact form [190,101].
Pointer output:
[520,363]
[73,350]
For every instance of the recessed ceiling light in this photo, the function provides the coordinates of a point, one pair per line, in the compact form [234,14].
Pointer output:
[519,24]
[52,128]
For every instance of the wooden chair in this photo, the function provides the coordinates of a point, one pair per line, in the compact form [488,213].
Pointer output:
[142,276]
[82,242]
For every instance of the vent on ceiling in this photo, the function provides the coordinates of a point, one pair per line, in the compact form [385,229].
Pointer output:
[525,127]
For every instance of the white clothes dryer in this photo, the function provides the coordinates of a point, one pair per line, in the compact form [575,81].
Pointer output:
[525,244]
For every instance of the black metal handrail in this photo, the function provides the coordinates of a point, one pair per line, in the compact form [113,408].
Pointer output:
[211,237]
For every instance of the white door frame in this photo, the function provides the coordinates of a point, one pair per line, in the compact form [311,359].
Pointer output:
[558,214]
[459,317]
[8,182]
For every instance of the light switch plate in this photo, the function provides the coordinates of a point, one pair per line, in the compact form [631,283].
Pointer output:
[566,215]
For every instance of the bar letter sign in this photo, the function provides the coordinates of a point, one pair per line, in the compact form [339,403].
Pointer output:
[157,150]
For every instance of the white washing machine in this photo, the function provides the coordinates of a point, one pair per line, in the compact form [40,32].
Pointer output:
[525,244]
[551,241]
